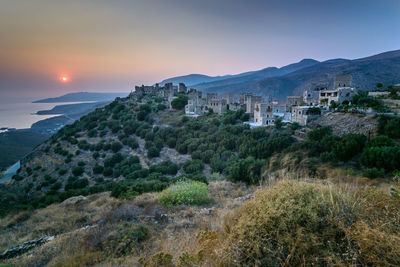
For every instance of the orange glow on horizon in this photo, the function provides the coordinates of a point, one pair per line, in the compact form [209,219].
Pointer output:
[64,78]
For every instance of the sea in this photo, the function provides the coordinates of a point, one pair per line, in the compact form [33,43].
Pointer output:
[19,113]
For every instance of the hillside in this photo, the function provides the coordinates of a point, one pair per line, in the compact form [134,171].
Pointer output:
[134,182]
[193,79]
[209,83]
[81,97]
[366,72]
[241,82]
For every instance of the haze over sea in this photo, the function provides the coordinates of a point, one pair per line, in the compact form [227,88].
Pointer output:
[20,112]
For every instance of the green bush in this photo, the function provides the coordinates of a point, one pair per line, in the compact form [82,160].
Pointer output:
[386,158]
[374,173]
[349,146]
[116,146]
[247,170]
[193,166]
[389,125]
[125,238]
[165,167]
[185,192]
[77,171]
[153,152]
[97,169]
[179,102]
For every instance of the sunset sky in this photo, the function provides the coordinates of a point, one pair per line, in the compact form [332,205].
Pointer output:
[104,45]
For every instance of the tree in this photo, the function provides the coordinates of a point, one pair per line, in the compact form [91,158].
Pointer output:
[333,104]
[379,85]
[179,102]
[116,146]
[193,166]
[349,146]
[153,152]
[77,171]
[278,123]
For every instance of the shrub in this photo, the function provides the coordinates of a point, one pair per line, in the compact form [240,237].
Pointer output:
[165,167]
[305,224]
[116,146]
[97,169]
[81,163]
[77,171]
[126,237]
[349,146]
[179,102]
[153,152]
[318,134]
[193,166]
[381,141]
[374,173]
[247,170]
[185,192]
[386,158]
[132,142]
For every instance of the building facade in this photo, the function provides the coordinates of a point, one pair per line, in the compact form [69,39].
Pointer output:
[292,101]
[263,114]
[302,114]
[218,106]
[251,100]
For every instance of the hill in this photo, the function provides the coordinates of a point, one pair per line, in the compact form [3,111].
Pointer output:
[82,96]
[203,81]
[134,182]
[192,79]
[366,72]
[241,83]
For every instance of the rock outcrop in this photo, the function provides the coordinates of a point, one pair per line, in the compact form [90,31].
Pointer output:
[24,247]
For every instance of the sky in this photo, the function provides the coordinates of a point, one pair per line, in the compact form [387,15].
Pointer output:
[105,46]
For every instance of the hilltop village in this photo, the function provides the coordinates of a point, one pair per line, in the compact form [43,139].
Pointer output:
[262,110]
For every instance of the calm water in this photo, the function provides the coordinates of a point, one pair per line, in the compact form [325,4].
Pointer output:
[19,113]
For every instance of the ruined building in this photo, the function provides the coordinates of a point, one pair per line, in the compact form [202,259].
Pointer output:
[292,101]
[251,101]
[218,106]
[182,88]
[342,81]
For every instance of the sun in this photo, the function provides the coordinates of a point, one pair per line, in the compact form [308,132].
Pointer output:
[64,78]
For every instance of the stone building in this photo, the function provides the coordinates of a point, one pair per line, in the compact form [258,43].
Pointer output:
[182,88]
[303,115]
[237,106]
[210,96]
[292,101]
[279,108]
[218,106]
[171,89]
[196,104]
[251,101]
[230,98]
[341,95]
[263,114]
[311,95]
[342,81]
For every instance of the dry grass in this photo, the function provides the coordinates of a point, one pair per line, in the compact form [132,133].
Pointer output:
[287,223]
[53,220]
[74,247]
[304,224]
